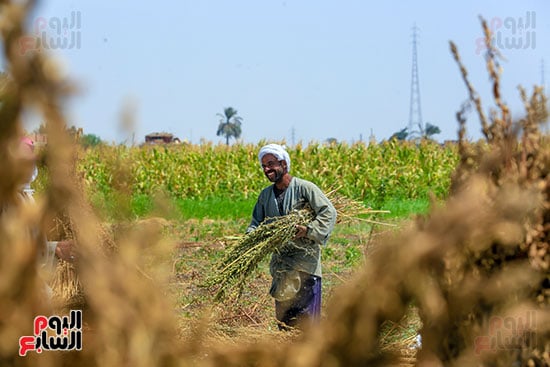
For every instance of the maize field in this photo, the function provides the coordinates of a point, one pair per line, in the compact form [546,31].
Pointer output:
[370,173]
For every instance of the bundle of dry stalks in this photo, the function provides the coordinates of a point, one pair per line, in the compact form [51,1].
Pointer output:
[271,236]
[67,288]
[243,257]
[350,210]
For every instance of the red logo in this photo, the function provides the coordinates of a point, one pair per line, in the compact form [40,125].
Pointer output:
[66,330]
[506,333]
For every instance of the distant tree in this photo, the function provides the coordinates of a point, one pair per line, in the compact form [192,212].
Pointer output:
[400,135]
[230,124]
[427,133]
[90,140]
[331,141]
[431,130]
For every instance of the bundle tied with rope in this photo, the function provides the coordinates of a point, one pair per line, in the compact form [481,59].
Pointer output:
[274,235]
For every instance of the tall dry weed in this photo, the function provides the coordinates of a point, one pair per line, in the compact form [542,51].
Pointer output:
[127,320]
[475,268]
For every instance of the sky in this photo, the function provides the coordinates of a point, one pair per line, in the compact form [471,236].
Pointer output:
[294,70]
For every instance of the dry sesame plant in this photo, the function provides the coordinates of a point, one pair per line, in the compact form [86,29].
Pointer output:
[127,319]
[475,269]
[242,258]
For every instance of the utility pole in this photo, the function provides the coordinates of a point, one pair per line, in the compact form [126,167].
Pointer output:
[542,81]
[543,86]
[372,138]
[416,125]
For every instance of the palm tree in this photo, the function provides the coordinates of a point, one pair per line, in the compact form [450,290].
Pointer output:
[400,135]
[431,130]
[230,124]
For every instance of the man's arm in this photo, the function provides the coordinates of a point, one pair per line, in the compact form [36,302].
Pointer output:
[321,227]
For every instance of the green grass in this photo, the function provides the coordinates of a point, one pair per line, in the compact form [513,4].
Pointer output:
[215,208]
[141,206]
[404,208]
[230,209]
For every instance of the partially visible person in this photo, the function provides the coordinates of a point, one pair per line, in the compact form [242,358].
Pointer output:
[26,159]
[296,269]
[28,156]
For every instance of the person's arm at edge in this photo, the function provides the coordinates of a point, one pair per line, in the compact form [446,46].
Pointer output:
[61,249]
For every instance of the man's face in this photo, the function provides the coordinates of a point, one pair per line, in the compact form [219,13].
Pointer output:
[273,168]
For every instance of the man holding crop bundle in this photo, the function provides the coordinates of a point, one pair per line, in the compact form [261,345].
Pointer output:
[296,268]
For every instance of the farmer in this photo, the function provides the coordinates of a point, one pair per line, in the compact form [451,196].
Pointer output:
[26,159]
[296,269]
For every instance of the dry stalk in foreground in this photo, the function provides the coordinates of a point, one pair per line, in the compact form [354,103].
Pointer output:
[483,256]
[477,268]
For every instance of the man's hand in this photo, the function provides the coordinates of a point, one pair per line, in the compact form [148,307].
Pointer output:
[65,251]
[301,231]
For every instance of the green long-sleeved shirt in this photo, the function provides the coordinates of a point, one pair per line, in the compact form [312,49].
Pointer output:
[305,255]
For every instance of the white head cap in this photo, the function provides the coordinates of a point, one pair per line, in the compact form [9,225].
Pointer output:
[278,151]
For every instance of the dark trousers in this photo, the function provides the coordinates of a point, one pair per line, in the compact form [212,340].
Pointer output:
[304,308]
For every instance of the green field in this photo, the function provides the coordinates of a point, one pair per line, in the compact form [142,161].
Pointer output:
[206,195]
